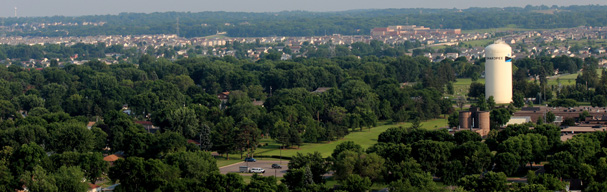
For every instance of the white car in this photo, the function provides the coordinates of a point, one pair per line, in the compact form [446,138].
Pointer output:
[257,170]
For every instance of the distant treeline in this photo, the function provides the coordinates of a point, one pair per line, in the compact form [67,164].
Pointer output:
[303,23]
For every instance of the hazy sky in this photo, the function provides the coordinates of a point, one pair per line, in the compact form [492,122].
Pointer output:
[102,7]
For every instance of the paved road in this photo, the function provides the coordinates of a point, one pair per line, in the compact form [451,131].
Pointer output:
[267,165]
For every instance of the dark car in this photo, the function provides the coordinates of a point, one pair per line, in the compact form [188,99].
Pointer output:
[276,166]
[250,159]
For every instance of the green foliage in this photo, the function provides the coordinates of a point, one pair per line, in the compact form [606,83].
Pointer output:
[464,136]
[39,180]
[506,162]
[491,181]
[69,179]
[196,165]
[355,183]
[313,162]
[143,175]
[563,103]
[346,146]
[454,119]
[547,180]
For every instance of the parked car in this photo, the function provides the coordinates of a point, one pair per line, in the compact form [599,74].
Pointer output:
[250,159]
[257,170]
[276,166]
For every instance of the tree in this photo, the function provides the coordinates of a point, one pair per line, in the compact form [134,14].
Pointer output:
[71,137]
[355,183]
[550,117]
[547,180]
[598,101]
[454,119]
[474,155]
[70,179]
[7,109]
[261,184]
[464,136]
[481,103]
[248,135]
[142,175]
[562,165]
[27,157]
[477,90]
[313,161]
[491,102]
[300,179]
[431,154]
[346,146]
[38,180]
[224,136]
[500,116]
[518,99]
[491,181]
[183,121]
[195,165]
[507,163]
[205,138]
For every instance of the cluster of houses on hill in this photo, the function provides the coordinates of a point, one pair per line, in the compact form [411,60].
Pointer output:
[571,42]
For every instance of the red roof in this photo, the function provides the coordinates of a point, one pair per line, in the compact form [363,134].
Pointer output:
[93,186]
[111,158]
[192,141]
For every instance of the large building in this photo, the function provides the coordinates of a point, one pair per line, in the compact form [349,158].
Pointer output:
[498,72]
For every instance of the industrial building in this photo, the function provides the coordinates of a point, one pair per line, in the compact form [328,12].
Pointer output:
[474,120]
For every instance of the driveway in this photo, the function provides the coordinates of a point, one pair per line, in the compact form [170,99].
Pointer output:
[267,165]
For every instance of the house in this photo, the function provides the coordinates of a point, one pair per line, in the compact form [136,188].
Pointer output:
[321,89]
[194,142]
[223,97]
[149,126]
[258,103]
[111,158]
[90,125]
[94,188]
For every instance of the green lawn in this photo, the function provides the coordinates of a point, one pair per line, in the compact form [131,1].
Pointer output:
[462,85]
[567,79]
[365,138]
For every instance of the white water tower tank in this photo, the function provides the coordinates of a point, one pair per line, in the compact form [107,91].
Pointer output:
[498,72]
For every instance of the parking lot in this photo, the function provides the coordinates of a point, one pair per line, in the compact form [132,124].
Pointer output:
[267,165]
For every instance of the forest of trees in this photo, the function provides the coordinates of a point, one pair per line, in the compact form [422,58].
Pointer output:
[46,145]
[302,23]
[45,111]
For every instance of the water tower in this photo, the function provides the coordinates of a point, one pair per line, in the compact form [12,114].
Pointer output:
[498,72]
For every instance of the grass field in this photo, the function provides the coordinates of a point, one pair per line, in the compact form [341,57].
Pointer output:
[365,138]
[461,86]
[479,43]
[567,79]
